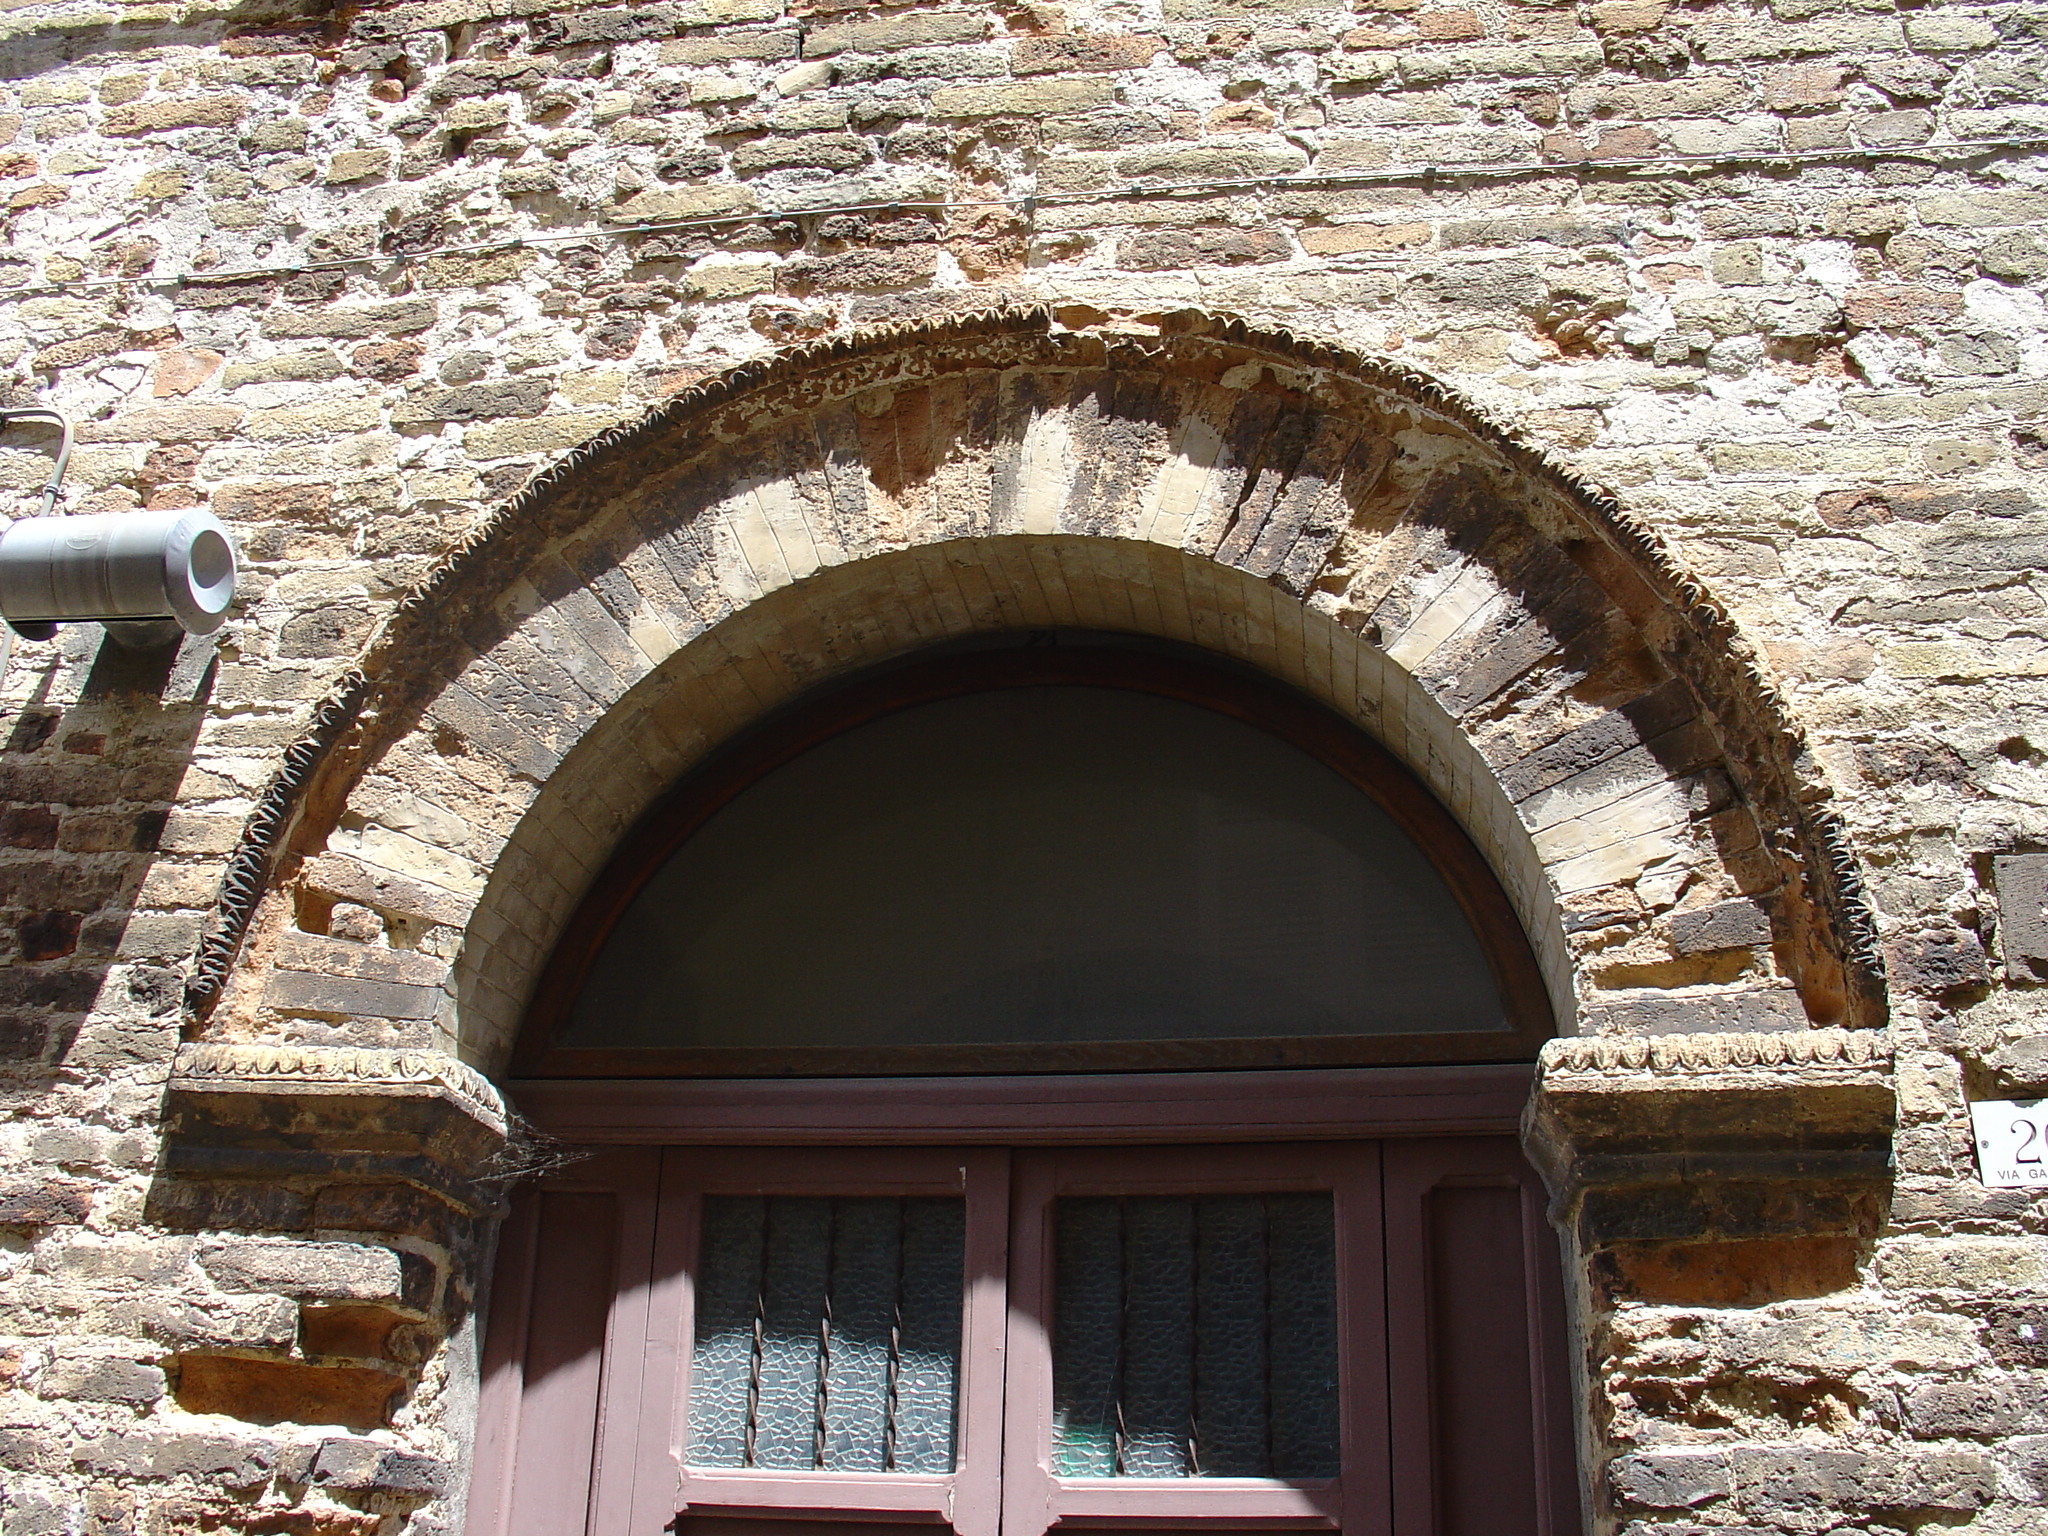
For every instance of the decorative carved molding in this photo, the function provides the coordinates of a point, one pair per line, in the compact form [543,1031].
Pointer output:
[215,1068]
[319,1116]
[1687,1138]
[1702,1055]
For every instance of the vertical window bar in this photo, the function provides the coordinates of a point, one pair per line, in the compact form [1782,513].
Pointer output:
[1193,1437]
[1266,1269]
[893,1391]
[1122,1439]
[820,1398]
[754,1360]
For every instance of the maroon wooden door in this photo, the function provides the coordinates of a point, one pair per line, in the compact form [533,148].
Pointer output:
[1447,1357]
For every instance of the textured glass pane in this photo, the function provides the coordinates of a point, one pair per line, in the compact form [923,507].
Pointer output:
[928,1356]
[1195,1336]
[792,1326]
[1088,1301]
[1230,1336]
[1303,1330]
[1059,864]
[728,1301]
[1159,1336]
[867,1253]
[828,1333]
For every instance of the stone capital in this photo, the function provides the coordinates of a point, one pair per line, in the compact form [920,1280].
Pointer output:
[329,1113]
[1713,1137]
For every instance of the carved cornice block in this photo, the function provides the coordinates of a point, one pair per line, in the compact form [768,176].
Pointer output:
[1714,1137]
[321,1113]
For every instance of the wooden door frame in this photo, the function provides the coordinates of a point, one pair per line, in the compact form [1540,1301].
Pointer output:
[727,1133]
[1100,1109]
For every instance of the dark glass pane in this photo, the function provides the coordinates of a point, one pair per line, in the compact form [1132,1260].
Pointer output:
[828,1333]
[1056,864]
[1195,1336]
[1302,1325]
[1088,1305]
[1230,1335]
[1159,1335]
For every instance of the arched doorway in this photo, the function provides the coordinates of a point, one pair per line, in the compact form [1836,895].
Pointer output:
[1064,1081]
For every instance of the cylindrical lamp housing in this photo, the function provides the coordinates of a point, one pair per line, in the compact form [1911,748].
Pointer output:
[118,565]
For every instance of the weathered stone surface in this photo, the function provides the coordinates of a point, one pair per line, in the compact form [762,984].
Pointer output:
[286,1392]
[369,1466]
[230,1461]
[343,1270]
[351,284]
[43,1201]
[1671,1479]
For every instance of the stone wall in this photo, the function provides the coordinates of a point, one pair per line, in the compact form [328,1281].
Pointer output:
[1771,275]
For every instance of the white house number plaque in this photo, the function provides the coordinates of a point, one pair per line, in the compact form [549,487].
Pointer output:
[2010,1141]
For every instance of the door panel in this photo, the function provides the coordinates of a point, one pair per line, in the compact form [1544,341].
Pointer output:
[1477,1367]
[795,1342]
[1112,1318]
[1137,1338]
[568,1315]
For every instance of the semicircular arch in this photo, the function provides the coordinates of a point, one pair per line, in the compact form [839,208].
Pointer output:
[1583,707]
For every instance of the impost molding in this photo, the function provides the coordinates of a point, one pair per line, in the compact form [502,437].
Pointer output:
[326,1115]
[1714,1137]
[237,1068]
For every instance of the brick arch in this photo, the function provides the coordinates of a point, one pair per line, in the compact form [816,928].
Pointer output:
[1588,712]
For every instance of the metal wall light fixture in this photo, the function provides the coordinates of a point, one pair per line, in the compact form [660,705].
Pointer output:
[138,573]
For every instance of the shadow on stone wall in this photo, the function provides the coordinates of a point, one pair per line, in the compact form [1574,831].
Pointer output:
[87,789]
[387,1197]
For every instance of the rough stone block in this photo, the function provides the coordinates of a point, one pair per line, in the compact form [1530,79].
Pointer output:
[2021,881]
[1696,1011]
[474,402]
[1937,961]
[352,165]
[139,117]
[1062,52]
[1726,925]
[1033,98]
[102,1380]
[1344,239]
[1978,1266]
[285,1391]
[340,957]
[398,318]
[1670,1479]
[231,1461]
[1964,1410]
[348,879]
[2027,1455]
[731,46]
[368,1466]
[909,30]
[43,1201]
[342,1271]
[307,992]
